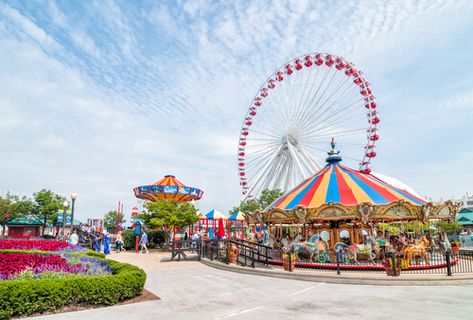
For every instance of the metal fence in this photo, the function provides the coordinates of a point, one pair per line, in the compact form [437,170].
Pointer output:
[255,255]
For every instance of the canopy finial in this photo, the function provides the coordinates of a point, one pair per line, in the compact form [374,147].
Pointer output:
[333,156]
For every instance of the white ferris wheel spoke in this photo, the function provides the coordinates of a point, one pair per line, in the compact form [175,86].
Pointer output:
[288,135]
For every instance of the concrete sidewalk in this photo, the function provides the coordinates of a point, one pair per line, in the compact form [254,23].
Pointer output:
[191,290]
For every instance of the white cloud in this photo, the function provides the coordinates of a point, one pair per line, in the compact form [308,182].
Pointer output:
[163,89]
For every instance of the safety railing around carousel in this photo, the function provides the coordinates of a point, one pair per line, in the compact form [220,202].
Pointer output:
[249,253]
[253,254]
[258,254]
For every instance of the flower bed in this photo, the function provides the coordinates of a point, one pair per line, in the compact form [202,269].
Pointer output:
[42,245]
[12,264]
[24,297]
[51,274]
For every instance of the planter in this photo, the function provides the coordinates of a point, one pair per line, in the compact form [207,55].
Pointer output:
[389,271]
[232,258]
[285,262]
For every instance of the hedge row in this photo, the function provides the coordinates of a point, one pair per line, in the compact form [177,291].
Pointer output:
[90,253]
[24,297]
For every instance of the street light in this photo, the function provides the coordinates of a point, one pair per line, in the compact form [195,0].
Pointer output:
[73,197]
[66,205]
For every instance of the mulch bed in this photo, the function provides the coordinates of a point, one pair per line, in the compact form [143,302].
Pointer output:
[143,297]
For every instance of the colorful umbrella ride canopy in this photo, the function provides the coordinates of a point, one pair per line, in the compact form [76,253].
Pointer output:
[221,229]
[341,185]
[239,216]
[168,188]
[215,215]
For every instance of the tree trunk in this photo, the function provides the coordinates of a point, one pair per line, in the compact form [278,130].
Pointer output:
[44,224]
[3,229]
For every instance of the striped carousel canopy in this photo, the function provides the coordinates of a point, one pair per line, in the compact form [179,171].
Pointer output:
[168,188]
[341,185]
[215,214]
[240,216]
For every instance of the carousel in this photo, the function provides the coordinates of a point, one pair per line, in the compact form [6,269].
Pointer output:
[341,209]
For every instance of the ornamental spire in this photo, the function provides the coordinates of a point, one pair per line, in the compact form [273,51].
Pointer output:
[333,156]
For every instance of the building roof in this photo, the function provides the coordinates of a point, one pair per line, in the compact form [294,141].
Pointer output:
[27,220]
[465,216]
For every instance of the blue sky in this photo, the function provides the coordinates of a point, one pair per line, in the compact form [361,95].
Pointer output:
[99,97]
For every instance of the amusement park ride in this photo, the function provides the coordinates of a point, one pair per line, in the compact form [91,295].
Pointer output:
[326,206]
[282,142]
[298,108]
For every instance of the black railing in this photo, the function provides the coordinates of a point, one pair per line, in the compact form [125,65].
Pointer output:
[181,248]
[417,261]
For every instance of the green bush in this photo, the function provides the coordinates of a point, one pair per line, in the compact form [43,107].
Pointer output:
[157,238]
[26,251]
[128,239]
[24,297]
[95,254]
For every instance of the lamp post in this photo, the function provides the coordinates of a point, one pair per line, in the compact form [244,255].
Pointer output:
[66,205]
[73,198]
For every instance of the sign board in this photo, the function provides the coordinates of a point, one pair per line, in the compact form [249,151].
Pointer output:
[68,217]
[134,211]
[59,216]
[137,228]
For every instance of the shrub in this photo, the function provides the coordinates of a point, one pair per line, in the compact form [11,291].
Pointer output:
[24,297]
[95,254]
[128,239]
[157,238]
[90,253]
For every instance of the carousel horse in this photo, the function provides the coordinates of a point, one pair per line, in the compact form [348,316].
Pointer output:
[428,244]
[444,243]
[342,249]
[318,250]
[416,250]
[370,248]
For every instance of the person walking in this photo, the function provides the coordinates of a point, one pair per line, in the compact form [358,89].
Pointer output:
[144,242]
[106,243]
[119,243]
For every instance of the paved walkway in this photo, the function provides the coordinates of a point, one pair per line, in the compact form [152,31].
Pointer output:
[190,290]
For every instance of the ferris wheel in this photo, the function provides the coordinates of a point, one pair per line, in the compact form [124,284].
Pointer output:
[287,129]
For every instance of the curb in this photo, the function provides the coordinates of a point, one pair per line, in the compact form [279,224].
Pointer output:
[359,279]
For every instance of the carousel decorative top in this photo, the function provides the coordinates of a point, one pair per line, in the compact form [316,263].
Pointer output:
[168,188]
[339,193]
[341,185]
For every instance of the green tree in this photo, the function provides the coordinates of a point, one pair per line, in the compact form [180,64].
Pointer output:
[268,196]
[110,220]
[46,205]
[12,206]
[250,205]
[448,227]
[169,213]
[5,212]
